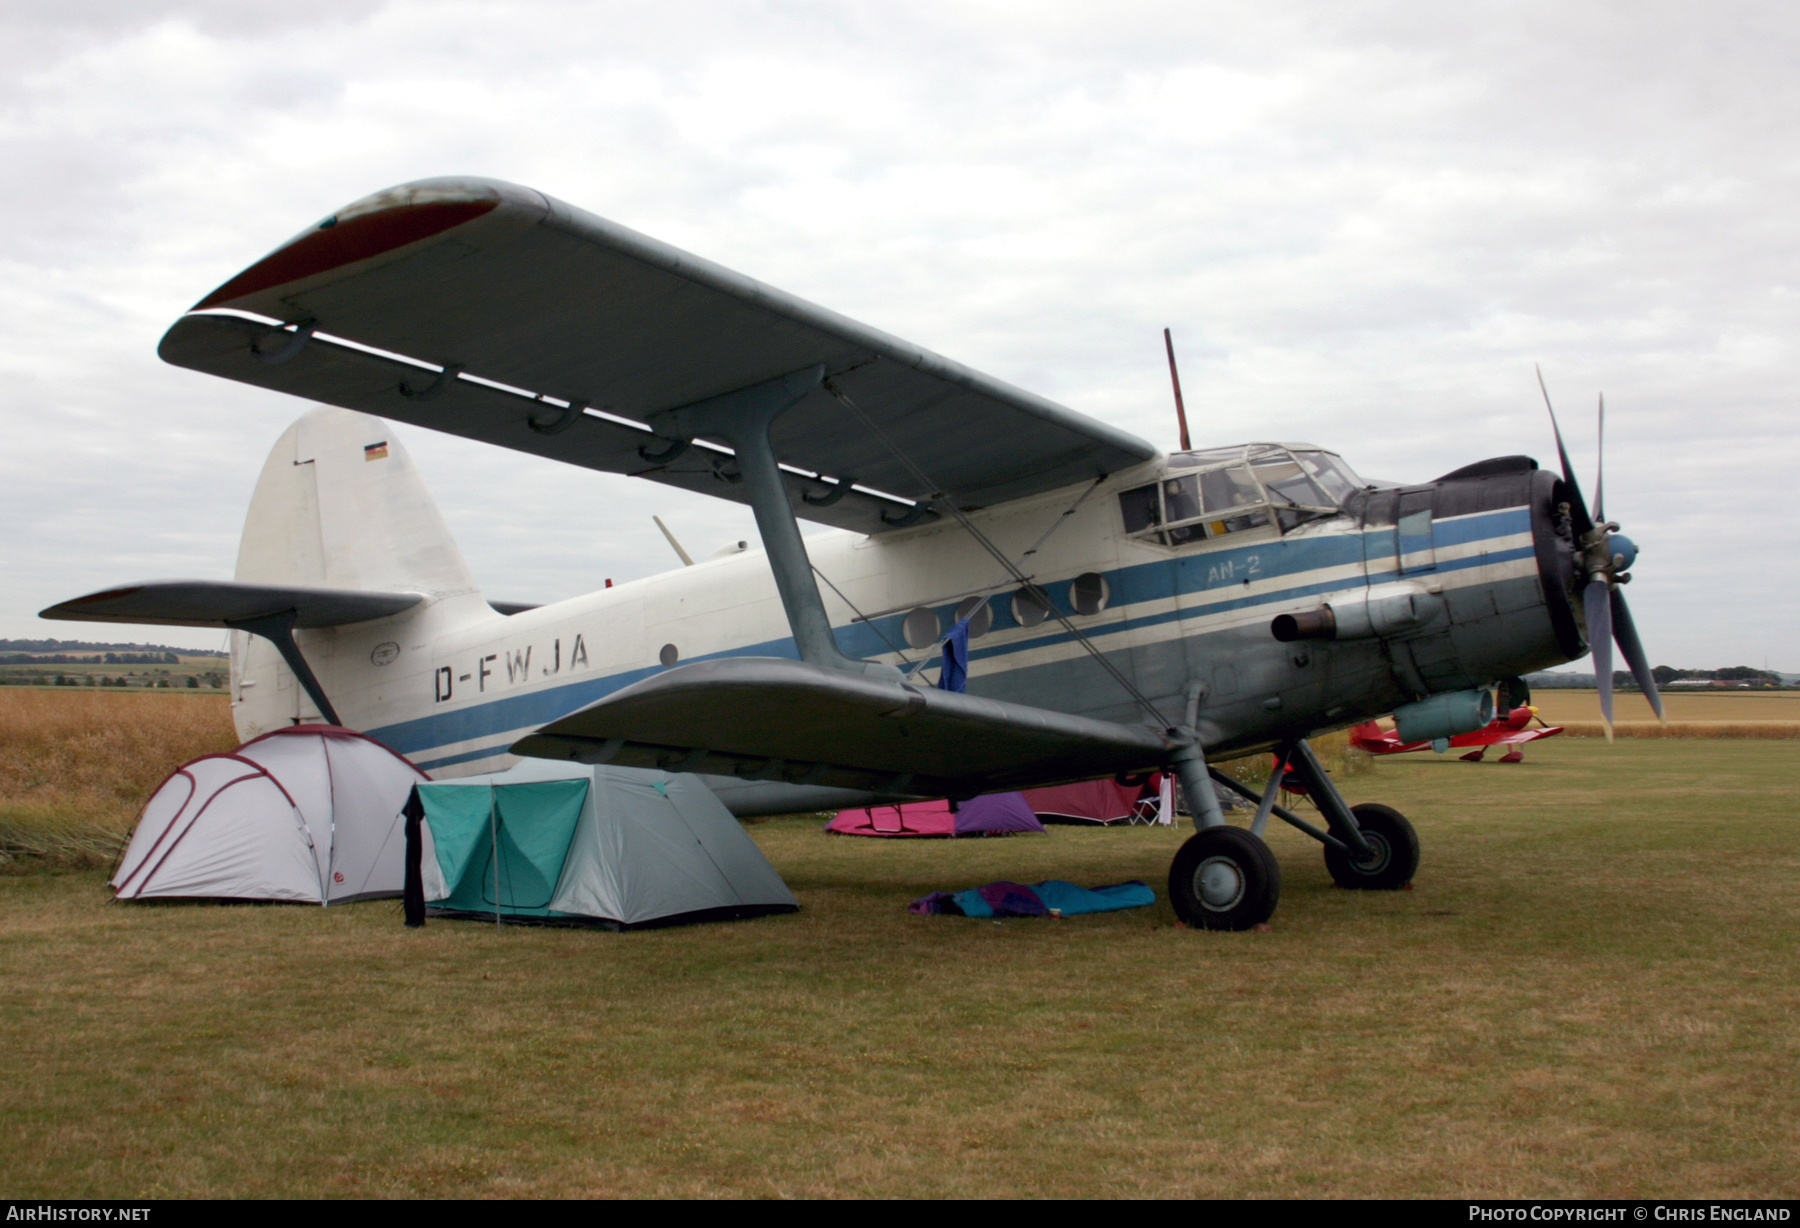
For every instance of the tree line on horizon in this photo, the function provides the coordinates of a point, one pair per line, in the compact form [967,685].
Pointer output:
[91,646]
[1664,675]
[110,658]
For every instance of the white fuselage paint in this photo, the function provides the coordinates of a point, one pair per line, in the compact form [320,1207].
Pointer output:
[452,684]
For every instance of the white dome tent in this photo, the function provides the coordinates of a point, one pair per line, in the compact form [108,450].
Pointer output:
[310,814]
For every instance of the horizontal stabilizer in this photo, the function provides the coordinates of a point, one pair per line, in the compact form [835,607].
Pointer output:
[769,718]
[225,603]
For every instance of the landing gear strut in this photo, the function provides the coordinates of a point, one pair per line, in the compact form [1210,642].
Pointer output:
[1225,878]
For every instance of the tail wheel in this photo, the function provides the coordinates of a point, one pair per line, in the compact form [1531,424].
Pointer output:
[1396,857]
[1225,878]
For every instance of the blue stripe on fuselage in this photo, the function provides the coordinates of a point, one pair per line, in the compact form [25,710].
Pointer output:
[1132,586]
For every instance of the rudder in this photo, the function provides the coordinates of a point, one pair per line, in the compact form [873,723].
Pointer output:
[340,505]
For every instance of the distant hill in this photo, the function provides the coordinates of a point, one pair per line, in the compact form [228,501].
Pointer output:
[91,646]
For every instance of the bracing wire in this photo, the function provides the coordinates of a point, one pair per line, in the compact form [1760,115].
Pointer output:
[859,614]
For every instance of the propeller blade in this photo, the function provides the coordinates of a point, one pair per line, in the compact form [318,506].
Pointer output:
[1577,505]
[1599,630]
[1625,632]
[1600,466]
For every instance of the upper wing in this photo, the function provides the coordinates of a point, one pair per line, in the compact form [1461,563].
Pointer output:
[774,718]
[518,296]
[222,603]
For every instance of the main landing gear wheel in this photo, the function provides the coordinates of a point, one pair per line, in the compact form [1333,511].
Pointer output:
[1224,878]
[1396,847]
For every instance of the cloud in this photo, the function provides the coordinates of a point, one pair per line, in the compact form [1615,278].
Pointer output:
[1364,224]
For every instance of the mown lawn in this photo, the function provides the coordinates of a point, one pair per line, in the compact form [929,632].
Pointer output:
[1591,991]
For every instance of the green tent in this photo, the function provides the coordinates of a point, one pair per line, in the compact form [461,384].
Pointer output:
[554,841]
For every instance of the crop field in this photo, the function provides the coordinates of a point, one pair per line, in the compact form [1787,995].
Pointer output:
[1592,990]
[1703,714]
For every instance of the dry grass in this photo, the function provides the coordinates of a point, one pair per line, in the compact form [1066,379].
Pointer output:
[1560,707]
[1754,730]
[76,765]
[1335,753]
[1592,991]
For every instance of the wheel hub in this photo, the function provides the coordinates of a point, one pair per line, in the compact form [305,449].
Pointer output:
[1218,883]
[1379,856]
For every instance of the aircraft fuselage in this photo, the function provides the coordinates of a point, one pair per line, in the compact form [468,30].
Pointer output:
[452,684]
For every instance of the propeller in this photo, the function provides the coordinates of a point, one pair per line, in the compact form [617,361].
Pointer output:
[1604,556]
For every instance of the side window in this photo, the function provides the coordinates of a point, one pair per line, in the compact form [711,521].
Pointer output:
[1031,606]
[921,628]
[1141,507]
[1088,593]
[983,620]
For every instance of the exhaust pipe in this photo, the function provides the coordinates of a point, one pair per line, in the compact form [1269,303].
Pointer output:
[1383,610]
[1319,624]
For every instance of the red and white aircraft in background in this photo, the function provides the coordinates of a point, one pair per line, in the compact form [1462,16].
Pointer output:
[1509,730]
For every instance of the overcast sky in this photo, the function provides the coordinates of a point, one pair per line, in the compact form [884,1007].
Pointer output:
[1364,222]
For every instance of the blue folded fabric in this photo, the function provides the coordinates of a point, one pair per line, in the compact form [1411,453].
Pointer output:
[1007,899]
[1072,901]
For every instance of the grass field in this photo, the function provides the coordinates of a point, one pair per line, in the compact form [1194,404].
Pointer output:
[1592,990]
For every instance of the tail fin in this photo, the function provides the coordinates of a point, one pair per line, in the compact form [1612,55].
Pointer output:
[339,505]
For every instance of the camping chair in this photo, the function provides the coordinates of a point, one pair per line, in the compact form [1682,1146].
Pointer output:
[1157,809]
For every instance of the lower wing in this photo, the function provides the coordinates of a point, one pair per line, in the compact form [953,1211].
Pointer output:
[768,718]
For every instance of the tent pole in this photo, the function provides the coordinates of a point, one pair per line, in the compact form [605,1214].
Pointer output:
[494,834]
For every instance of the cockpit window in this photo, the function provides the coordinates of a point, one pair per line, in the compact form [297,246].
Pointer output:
[1228,490]
[1331,473]
[1286,482]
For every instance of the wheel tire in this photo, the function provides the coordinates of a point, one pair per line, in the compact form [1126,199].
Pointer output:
[1397,845]
[1224,878]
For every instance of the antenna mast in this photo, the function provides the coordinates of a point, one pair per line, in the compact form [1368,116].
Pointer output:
[1175,379]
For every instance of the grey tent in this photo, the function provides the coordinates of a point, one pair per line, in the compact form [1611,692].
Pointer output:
[309,814]
[564,842]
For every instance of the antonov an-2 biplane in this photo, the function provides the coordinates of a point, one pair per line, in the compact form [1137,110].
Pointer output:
[1127,610]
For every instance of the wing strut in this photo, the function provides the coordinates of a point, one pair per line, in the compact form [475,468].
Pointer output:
[278,629]
[742,419]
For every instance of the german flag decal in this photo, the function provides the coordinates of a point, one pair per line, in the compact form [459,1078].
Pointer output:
[376,451]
